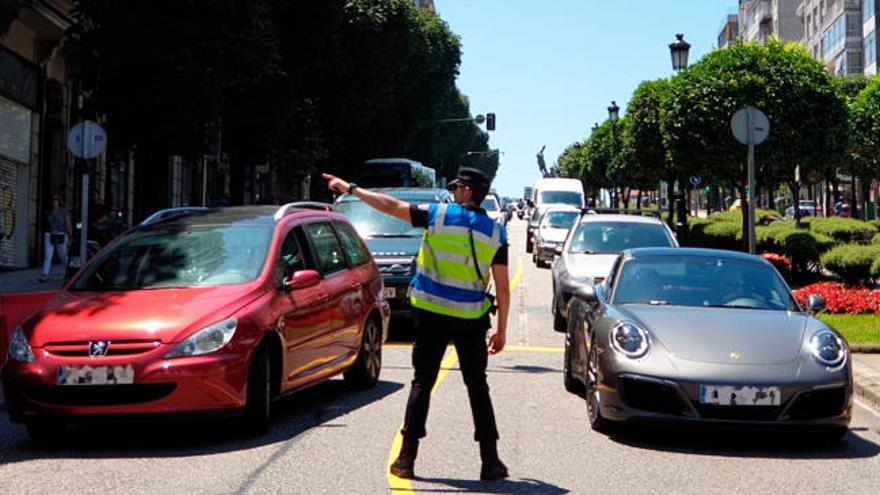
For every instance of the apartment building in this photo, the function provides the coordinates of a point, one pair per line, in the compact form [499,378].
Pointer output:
[426,4]
[760,20]
[869,36]
[728,34]
[834,34]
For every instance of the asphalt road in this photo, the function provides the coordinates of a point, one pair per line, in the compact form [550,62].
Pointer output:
[333,440]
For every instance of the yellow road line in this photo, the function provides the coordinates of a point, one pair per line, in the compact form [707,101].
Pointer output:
[400,485]
[517,276]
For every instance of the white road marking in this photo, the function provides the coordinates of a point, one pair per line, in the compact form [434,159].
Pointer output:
[864,405]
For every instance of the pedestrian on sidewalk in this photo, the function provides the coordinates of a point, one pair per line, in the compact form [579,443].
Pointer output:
[462,247]
[57,237]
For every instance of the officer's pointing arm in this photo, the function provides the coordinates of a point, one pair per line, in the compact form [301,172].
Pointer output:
[386,204]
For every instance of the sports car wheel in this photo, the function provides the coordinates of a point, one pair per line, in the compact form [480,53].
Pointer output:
[571,384]
[364,373]
[593,398]
[258,405]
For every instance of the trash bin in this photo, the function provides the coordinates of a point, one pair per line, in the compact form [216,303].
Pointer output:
[870,210]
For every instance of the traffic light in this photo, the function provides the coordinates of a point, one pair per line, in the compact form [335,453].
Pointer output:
[490,121]
[707,188]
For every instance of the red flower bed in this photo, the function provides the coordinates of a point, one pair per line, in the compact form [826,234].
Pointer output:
[777,259]
[841,298]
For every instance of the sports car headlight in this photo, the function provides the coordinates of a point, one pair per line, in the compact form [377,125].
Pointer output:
[827,348]
[206,340]
[630,340]
[19,348]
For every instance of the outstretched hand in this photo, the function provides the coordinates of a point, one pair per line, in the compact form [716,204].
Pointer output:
[336,184]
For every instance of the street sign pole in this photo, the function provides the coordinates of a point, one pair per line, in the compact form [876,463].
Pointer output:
[750,127]
[87,141]
[752,207]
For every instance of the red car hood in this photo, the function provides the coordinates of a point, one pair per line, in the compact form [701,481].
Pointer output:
[168,315]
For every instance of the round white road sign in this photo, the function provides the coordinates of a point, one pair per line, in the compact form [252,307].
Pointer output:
[87,140]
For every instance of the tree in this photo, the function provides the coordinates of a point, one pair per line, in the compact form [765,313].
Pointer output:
[645,139]
[806,111]
[853,161]
[865,122]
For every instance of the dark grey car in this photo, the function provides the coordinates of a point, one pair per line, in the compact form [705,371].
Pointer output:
[704,336]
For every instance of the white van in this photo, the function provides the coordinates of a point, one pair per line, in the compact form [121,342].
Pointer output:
[556,191]
[552,192]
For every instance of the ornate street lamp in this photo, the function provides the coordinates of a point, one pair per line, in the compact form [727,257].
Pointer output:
[679,50]
[613,112]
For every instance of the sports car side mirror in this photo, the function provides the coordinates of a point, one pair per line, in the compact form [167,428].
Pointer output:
[816,304]
[586,293]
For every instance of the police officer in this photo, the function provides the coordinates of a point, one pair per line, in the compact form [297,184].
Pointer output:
[462,247]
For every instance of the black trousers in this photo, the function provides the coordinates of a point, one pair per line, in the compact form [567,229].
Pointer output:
[433,333]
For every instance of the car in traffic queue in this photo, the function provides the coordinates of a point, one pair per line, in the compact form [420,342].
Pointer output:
[592,248]
[493,208]
[215,312]
[703,336]
[551,233]
[394,243]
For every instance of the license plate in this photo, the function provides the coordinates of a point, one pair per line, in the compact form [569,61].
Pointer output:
[731,395]
[95,375]
[389,292]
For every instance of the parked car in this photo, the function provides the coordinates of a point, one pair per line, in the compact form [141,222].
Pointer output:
[593,246]
[808,208]
[393,242]
[217,313]
[705,336]
[551,233]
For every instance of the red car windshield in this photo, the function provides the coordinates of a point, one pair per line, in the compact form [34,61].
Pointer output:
[193,257]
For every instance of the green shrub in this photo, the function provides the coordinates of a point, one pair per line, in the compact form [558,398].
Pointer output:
[802,247]
[875,269]
[843,230]
[723,235]
[852,262]
[875,224]
[876,239]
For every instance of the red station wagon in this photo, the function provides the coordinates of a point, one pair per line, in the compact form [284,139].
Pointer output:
[215,311]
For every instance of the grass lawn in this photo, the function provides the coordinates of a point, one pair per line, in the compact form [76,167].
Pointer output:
[856,328]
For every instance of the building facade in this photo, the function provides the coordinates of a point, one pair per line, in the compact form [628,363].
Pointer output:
[760,20]
[35,102]
[834,34]
[869,36]
[728,34]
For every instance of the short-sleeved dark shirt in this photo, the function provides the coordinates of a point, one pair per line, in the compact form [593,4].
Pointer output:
[419,216]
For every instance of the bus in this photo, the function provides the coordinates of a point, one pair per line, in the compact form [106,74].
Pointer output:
[396,172]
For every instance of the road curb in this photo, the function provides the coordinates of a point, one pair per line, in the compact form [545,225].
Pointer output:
[868,393]
[871,348]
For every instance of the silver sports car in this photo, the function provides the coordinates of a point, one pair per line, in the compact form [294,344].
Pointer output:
[702,335]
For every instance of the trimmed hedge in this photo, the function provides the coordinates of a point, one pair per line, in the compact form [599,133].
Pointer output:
[853,263]
[875,224]
[843,229]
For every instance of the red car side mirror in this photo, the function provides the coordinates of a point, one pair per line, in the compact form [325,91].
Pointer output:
[302,279]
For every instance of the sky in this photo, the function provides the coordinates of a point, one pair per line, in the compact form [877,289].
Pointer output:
[549,69]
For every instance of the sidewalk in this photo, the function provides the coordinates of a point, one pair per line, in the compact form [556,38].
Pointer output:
[866,377]
[26,280]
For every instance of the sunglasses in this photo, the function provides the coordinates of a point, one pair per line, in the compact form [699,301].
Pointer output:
[453,187]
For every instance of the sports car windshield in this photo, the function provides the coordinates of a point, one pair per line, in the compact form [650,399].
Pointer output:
[614,237]
[196,256]
[703,281]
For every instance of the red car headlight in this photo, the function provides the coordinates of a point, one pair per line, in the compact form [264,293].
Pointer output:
[206,340]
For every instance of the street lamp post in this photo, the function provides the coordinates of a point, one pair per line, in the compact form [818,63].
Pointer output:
[613,117]
[679,50]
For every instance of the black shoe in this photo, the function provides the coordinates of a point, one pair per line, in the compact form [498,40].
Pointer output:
[493,470]
[403,468]
[404,464]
